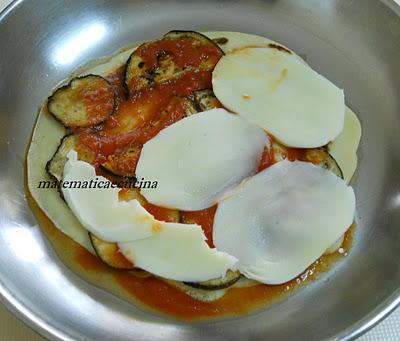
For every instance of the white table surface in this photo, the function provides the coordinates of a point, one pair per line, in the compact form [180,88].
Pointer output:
[12,329]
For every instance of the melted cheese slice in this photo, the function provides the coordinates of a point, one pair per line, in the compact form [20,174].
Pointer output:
[196,160]
[277,91]
[178,252]
[98,209]
[283,219]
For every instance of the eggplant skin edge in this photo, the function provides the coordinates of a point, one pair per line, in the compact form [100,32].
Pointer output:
[49,162]
[183,32]
[59,158]
[339,170]
[63,156]
[68,85]
[331,164]
[126,69]
[328,161]
[221,285]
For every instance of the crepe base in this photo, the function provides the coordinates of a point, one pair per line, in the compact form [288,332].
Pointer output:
[71,240]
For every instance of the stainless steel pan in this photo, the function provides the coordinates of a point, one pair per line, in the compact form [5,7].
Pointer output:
[356,44]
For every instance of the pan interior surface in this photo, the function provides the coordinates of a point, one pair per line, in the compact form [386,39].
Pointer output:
[355,44]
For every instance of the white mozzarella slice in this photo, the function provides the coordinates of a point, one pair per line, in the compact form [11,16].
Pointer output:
[196,160]
[98,209]
[280,93]
[283,219]
[178,252]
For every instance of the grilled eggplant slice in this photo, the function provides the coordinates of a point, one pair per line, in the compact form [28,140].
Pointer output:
[84,102]
[136,75]
[318,156]
[206,100]
[124,163]
[166,68]
[55,166]
[229,279]
[154,62]
[109,254]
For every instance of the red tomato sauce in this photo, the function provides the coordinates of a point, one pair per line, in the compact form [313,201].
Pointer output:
[266,160]
[185,52]
[162,213]
[98,100]
[131,121]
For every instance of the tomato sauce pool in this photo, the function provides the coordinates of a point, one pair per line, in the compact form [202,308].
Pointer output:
[152,293]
